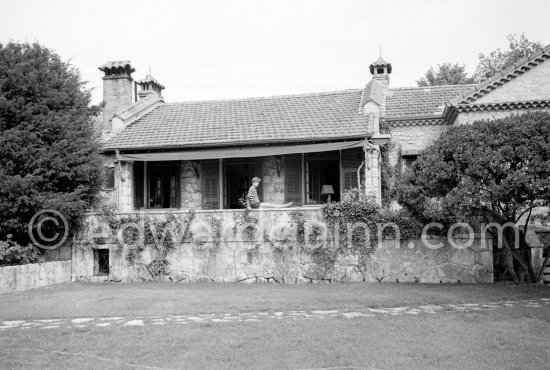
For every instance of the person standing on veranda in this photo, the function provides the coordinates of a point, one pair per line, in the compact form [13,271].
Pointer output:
[253,201]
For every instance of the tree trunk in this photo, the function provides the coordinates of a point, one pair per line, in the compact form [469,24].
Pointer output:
[509,259]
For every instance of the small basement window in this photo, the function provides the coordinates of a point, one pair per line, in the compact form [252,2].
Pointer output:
[409,160]
[101,262]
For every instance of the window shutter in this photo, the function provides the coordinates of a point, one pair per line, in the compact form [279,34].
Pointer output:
[138,185]
[210,176]
[351,160]
[293,178]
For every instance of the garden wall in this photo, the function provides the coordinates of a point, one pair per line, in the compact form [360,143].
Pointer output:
[283,245]
[35,275]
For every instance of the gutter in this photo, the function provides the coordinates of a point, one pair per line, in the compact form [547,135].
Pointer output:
[232,145]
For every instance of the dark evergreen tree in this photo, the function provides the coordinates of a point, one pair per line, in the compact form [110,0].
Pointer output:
[49,157]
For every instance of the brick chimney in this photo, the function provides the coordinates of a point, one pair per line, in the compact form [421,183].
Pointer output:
[117,89]
[149,86]
[380,71]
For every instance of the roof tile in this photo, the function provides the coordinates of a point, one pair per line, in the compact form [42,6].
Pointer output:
[421,101]
[322,116]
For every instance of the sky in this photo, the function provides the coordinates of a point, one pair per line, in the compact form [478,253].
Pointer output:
[227,49]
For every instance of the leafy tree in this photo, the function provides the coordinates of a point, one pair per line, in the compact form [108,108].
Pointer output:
[500,59]
[491,171]
[48,156]
[446,74]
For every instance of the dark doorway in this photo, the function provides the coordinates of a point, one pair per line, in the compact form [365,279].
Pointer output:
[164,179]
[238,176]
[101,262]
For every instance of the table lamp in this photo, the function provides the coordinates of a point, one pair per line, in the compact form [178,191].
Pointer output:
[327,190]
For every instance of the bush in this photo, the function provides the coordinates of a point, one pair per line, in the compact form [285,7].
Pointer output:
[11,253]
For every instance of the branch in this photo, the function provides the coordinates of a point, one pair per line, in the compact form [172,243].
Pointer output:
[522,213]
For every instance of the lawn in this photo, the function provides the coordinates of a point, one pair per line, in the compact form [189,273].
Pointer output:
[513,337]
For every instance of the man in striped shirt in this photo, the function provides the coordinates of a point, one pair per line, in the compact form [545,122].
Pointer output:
[253,201]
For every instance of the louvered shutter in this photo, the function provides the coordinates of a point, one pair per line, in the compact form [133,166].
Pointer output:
[138,185]
[293,178]
[210,177]
[351,160]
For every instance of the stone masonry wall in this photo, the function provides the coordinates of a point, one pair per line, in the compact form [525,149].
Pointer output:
[190,187]
[222,250]
[124,183]
[532,85]
[413,137]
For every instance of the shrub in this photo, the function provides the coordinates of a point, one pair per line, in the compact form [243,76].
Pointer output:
[11,253]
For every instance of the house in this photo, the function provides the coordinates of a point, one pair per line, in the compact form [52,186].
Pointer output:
[175,157]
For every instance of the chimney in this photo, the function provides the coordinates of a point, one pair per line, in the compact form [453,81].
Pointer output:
[117,89]
[149,86]
[380,71]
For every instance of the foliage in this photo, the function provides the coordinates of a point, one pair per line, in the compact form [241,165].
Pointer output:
[48,156]
[390,175]
[11,253]
[243,221]
[490,171]
[359,225]
[446,74]
[162,233]
[488,65]
[499,59]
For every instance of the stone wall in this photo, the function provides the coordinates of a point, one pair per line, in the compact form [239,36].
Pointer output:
[23,277]
[234,245]
[532,85]
[413,137]
[124,182]
[190,186]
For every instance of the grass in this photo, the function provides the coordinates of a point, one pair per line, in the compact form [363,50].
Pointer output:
[515,337]
[106,299]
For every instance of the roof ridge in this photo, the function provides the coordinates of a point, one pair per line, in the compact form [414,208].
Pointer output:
[255,98]
[429,87]
[497,79]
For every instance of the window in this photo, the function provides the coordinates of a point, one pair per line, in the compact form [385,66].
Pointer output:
[351,161]
[293,178]
[210,180]
[322,169]
[101,262]
[109,178]
[409,160]
[157,185]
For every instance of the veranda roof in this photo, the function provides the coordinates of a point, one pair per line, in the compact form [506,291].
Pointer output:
[240,152]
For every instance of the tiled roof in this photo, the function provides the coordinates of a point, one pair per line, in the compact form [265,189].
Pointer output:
[374,91]
[421,101]
[324,116]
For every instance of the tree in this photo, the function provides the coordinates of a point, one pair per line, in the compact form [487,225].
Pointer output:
[491,171]
[446,74]
[48,156]
[500,59]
